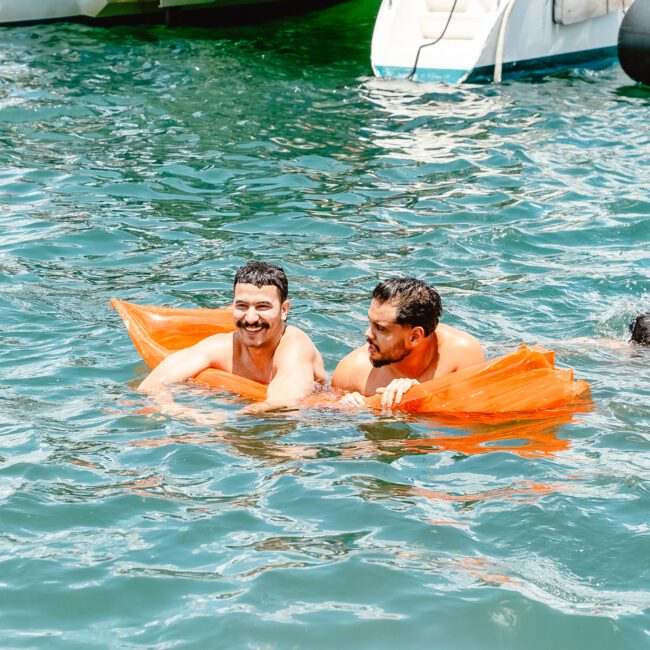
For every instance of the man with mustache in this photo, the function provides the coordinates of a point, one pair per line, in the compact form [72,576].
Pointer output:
[262,347]
[406,345]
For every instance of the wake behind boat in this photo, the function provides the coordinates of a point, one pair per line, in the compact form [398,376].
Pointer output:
[483,40]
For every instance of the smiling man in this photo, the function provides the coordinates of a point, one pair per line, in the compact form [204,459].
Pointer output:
[406,345]
[262,347]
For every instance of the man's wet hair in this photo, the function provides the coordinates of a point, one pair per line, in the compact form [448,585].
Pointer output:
[640,329]
[418,303]
[263,274]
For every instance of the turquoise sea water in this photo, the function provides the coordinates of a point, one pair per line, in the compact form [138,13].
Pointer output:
[148,163]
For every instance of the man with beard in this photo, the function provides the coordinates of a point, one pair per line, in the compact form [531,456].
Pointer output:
[406,345]
[262,347]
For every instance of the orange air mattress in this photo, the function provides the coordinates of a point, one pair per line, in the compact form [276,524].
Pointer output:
[525,383]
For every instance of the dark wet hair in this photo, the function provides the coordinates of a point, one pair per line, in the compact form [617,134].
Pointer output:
[418,303]
[640,329]
[263,274]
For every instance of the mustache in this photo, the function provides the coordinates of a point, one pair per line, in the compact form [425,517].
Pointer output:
[242,324]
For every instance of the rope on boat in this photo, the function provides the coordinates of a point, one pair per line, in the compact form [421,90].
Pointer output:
[444,31]
[498,61]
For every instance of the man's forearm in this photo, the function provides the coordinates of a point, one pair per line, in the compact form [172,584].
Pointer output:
[173,369]
[151,383]
[159,377]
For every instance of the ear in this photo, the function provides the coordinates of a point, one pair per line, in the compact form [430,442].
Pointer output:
[284,309]
[417,335]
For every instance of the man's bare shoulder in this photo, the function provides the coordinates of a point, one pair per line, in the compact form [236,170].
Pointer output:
[295,337]
[459,347]
[295,333]
[454,336]
[217,348]
[352,371]
[358,358]
[216,341]
[297,348]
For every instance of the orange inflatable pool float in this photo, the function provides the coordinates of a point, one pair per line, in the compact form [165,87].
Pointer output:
[523,384]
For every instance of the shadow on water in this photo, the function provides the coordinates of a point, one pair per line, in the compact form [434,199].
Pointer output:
[386,441]
[321,32]
[235,16]
[225,16]
[383,440]
[372,489]
[634,91]
[528,438]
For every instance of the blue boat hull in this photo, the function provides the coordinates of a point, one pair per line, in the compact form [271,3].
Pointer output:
[592,59]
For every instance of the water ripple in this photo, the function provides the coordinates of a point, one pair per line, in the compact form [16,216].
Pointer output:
[148,163]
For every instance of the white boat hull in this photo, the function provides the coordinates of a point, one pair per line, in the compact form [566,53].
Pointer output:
[25,11]
[404,41]
[29,11]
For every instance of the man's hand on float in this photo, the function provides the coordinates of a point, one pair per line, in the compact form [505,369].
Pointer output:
[353,399]
[392,394]
[167,406]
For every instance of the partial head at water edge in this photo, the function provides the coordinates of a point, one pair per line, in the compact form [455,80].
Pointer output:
[640,329]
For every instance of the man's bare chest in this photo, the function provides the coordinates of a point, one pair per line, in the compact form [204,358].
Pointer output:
[261,373]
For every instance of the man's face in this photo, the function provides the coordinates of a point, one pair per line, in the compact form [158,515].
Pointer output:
[259,314]
[388,342]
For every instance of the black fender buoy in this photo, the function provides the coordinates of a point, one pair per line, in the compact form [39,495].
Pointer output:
[634,42]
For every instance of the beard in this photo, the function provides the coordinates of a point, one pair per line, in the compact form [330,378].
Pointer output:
[394,355]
